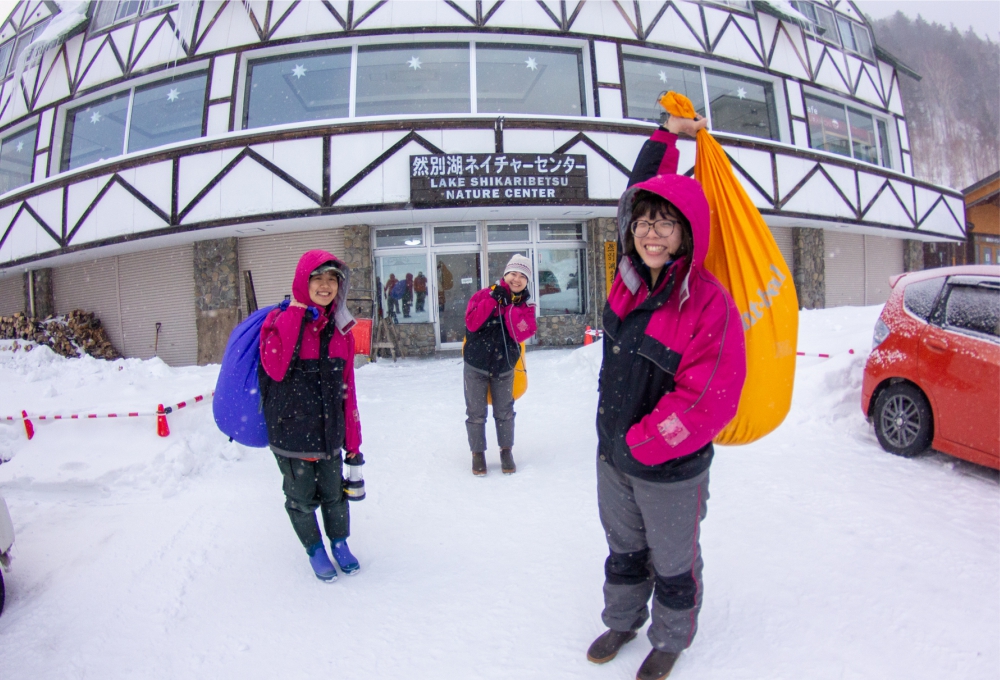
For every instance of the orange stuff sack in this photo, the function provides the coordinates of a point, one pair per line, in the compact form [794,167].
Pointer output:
[742,254]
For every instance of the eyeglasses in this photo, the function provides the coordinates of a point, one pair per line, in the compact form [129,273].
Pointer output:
[663,228]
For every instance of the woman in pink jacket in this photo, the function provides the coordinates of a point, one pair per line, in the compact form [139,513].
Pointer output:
[673,369]
[310,406]
[497,320]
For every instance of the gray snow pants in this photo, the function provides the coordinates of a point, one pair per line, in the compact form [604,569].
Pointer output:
[502,393]
[652,530]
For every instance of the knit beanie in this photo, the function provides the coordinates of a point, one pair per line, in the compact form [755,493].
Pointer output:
[520,264]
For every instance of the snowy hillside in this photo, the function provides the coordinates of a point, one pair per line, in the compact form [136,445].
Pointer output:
[145,557]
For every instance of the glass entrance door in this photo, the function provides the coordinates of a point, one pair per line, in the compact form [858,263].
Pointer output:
[458,278]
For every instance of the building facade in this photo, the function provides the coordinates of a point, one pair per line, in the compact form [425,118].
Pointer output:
[164,164]
[982,206]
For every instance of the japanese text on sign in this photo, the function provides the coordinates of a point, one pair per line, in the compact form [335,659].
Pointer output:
[497,178]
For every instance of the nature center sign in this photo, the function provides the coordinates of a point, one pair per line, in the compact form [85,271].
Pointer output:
[497,178]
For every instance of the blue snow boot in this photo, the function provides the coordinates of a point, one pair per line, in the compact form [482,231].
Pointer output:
[320,561]
[347,562]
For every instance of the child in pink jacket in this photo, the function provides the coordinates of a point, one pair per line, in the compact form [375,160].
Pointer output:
[497,320]
[673,369]
[310,405]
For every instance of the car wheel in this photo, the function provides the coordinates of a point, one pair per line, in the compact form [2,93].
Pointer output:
[903,420]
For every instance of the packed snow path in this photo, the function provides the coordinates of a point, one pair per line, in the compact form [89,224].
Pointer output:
[142,557]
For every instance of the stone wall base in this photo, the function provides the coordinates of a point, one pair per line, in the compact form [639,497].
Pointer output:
[561,331]
[214,327]
[416,339]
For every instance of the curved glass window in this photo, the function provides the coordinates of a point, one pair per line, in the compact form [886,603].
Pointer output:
[741,105]
[413,79]
[529,79]
[17,155]
[303,88]
[96,131]
[167,112]
[161,113]
[647,79]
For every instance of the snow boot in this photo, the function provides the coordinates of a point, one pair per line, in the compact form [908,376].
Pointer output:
[479,463]
[320,561]
[606,647]
[507,462]
[657,665]
[347,562]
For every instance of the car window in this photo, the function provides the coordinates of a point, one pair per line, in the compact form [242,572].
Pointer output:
[919,297]
[974,308]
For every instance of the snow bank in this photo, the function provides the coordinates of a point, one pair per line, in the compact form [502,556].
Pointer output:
[140,556]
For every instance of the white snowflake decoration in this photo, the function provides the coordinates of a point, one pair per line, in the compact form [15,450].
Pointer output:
[96,117]
[299,71]
[531,63]
[414,63]
[741,93]
[173,95]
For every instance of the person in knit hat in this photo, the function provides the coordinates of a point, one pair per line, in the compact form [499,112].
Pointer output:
[497,320]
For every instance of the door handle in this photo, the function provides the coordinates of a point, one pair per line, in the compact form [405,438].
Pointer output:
[936,345]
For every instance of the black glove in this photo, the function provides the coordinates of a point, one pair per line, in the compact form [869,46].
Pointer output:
[521,298]
[501,295]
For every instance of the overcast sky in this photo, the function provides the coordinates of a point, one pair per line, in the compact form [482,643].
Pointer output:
[983,16]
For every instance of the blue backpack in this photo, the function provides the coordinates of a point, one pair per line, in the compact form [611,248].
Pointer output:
[398,291]
[236,404]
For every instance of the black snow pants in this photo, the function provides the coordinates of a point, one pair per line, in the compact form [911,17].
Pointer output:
[315,484]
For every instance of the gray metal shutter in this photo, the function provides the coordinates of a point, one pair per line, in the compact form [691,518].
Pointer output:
[272,259]
[783,237]
[157,286]
[12,294]
[844,259]
[91,286]
[883,258]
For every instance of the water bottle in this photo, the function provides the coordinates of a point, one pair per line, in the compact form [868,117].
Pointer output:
[354,484]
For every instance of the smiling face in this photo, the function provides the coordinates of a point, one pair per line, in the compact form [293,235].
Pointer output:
[655,250]
[516,281]
[323,288]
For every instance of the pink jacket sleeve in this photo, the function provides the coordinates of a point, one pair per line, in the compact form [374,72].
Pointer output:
[278,336]
[520,321]
[481,307]
[709,381]
[352,419]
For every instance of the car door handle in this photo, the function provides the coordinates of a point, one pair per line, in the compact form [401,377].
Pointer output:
[936,345]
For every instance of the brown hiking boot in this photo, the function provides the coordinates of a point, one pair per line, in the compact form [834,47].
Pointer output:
[507,462]
[657,665]
[478,463]
[606,647]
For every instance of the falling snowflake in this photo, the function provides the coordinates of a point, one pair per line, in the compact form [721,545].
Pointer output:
[20,147]
[532,64]
[299,71]
[414,63]
[741,93]
[96,117]
[663,77]
[173,95]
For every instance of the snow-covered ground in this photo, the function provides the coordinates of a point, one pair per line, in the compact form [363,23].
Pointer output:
[146,557]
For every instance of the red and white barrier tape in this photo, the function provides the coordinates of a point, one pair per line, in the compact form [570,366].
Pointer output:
[130,414]
[597,333]
[821,356]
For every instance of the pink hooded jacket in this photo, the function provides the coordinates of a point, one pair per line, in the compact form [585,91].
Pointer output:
[695,335]
[280,332]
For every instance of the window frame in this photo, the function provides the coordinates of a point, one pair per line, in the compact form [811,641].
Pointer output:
[250,62]
[443,40]
[939,317]
[857,108]
[781,110]
[16,132]
[64,139]
[146,7]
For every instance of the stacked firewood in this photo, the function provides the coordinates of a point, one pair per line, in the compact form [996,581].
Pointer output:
[71,335]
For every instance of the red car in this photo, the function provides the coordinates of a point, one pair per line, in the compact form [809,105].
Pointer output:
[933,377]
